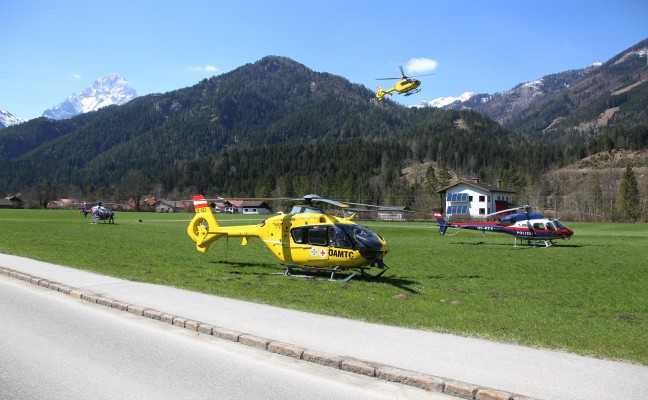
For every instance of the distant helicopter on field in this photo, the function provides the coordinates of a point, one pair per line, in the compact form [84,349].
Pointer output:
[305,239]
[523,225]
[99,213]
[406,85]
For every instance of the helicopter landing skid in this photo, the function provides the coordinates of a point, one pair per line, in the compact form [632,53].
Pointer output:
[378,275]
[291,267]
[536,242]
[411,92]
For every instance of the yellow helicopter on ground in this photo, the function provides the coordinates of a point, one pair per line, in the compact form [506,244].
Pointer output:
[406,85]
[306,239]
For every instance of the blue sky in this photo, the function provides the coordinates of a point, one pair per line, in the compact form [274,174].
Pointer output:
[51,49]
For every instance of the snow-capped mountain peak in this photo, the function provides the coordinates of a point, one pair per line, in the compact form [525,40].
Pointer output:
[445,101]
[107,90]
[7,119]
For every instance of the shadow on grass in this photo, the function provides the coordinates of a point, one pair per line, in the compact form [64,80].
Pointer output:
[511,245]
[244,265]
[453,277]
[395,281]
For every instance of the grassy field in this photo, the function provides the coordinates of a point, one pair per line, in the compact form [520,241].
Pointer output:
[588,295]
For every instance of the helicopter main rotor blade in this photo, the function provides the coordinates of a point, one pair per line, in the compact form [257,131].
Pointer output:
[526,209]
[309,199]
[314,198]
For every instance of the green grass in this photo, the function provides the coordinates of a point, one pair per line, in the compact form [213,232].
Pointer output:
[588,295]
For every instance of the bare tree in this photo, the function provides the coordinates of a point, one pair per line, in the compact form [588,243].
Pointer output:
[135,185]
[42,193]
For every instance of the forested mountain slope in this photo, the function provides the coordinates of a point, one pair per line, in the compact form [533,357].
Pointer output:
[573,106]
[273,118]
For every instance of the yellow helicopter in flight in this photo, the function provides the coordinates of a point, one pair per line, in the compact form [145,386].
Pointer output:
[306,239]
[406,85]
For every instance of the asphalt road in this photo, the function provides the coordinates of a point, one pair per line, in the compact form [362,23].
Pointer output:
[537,373]
[53,346]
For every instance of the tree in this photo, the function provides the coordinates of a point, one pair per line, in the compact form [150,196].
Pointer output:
[481,175]
[629,197]
[443,175]
[135,185]
[43,192]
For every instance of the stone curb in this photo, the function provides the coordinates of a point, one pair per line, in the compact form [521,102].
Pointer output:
[419,380]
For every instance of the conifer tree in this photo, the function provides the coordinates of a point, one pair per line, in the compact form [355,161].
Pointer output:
[443,175]
[629,196]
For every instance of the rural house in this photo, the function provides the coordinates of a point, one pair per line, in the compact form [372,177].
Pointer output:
[393,213]
[476,199]
[246,207]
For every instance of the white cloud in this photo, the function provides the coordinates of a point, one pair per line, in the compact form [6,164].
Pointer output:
[206,68]
[76,76]
[421,65]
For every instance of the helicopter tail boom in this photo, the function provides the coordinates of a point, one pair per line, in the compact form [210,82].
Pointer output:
[204,228]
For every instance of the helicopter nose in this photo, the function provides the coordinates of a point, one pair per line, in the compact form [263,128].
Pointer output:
[375,252]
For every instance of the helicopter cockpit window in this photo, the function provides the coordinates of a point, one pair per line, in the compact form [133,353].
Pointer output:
[550,226]
[360,236]
[337,238]
[560,225]
[538,225]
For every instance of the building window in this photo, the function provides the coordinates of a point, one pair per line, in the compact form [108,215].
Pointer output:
[470,199]
[482,199]
[482,211]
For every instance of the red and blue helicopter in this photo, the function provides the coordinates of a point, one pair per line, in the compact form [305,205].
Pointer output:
[523,225]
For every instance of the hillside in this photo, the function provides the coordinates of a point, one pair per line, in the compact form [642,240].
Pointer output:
[277,128]
[574,106]
[273,118]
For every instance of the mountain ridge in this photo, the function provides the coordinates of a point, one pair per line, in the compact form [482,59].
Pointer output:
[274,101]
[580,103]
[277,126]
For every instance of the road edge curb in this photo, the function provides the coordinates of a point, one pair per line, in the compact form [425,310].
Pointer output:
[430,383]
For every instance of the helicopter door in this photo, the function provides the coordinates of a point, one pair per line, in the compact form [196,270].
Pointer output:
[318,239]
